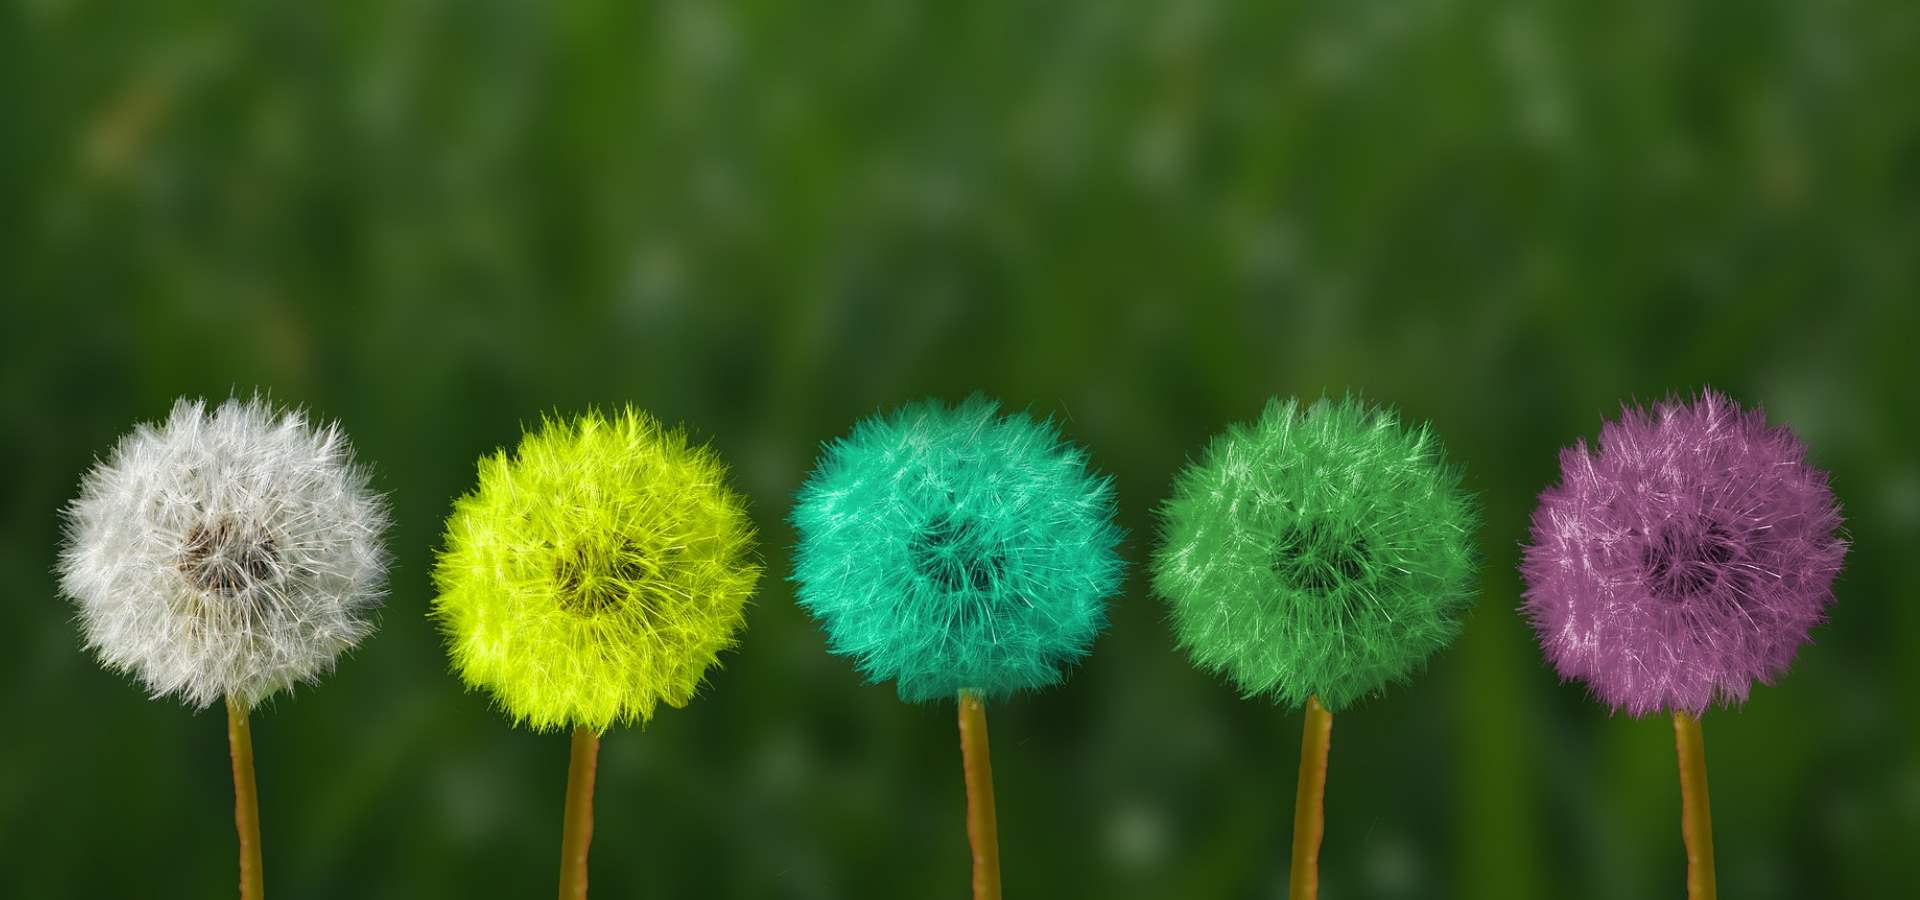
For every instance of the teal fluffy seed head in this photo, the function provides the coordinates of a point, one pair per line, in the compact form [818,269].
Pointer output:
[1321,552]
[951,548]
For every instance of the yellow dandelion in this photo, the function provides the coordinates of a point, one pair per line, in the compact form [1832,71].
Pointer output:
[592,575]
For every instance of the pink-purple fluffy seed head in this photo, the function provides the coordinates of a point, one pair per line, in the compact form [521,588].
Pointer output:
[1685,559]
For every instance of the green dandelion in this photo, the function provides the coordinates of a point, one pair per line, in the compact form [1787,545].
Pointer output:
[1315,556]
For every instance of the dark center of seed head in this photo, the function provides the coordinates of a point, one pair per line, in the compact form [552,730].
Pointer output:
[952,556]
[224,558]
[1315,558]
[590,581]
[1685,559]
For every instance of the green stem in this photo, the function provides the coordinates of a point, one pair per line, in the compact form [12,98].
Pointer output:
[246,801]
[578,830]
[981,830]
[1309,801]
[1696,813]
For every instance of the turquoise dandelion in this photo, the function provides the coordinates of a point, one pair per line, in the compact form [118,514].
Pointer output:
[951,549]
[958,553]
[1315,556]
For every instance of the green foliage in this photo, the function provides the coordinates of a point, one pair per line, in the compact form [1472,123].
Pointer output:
[949,548]
[1319,552]
[1140,218]
[595,573]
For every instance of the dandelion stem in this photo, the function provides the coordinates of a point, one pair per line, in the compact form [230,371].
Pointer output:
[579,825]
[1696,815]
[1309,820]
[981,831]
[246,801]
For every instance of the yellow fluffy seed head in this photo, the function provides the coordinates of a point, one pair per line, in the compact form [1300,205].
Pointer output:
[595,573]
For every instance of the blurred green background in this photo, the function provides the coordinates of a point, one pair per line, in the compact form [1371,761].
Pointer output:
[434,221]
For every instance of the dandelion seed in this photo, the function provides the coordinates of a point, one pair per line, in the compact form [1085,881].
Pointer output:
[1315,556]
[593,575]
[1683,560]
[960,554]
[226,553]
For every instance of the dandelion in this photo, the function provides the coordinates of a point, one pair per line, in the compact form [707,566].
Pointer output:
[226,553]
[958,553]
[593,575]
[1315,556]
[1685,559]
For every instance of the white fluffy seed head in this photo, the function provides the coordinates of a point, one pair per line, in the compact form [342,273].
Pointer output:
[227,552]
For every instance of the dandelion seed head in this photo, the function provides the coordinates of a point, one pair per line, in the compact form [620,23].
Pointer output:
[948,548]
[1684,559]
[595,573]
[1318,552]
[232,551]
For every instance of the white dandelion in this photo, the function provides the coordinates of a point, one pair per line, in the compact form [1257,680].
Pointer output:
[229,552]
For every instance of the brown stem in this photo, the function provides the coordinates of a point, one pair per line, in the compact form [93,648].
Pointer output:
[246,801]
[981,832]
[578,831]
[1696,814]
[1309,820]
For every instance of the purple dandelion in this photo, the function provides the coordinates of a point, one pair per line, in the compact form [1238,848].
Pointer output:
[1685,559]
